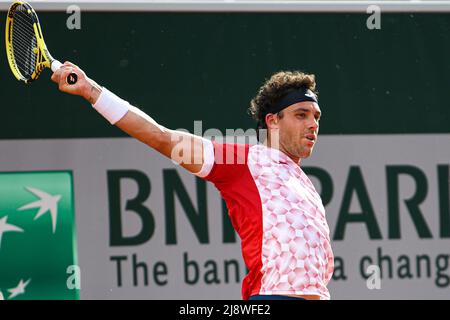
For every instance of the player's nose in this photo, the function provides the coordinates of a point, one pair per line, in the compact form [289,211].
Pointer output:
[313,125]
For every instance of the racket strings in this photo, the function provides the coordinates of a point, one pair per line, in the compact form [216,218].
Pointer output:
[24,52]
[24,42]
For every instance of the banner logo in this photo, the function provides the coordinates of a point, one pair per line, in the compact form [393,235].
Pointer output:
[37,235]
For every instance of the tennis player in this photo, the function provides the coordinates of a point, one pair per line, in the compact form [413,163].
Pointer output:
[273,205]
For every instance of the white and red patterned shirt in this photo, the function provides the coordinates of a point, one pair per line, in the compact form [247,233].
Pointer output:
[278,215]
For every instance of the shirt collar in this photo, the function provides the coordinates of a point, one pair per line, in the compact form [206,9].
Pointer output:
[278,156]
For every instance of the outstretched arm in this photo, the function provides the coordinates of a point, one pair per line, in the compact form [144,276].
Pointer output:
[184,148]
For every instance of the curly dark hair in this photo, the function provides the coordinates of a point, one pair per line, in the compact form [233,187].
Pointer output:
[275,88]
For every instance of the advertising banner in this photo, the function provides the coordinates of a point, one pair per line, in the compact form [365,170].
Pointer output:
[148,229]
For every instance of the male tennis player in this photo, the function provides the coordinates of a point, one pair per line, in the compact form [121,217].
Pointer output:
[273,205]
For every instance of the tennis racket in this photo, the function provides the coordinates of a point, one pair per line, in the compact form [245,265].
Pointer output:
[27,53]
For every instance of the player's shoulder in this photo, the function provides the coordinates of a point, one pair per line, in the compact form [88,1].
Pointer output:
[230,153]
[224,160]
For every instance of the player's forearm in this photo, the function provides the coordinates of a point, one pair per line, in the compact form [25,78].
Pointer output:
[134,122]
[128,118]
[141,126]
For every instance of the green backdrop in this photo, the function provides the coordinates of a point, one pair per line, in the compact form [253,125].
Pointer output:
[181,67]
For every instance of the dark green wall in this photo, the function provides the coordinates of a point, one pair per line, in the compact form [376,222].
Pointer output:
[181,67]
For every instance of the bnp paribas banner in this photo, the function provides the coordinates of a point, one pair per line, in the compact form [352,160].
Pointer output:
[147,229]
[37,235]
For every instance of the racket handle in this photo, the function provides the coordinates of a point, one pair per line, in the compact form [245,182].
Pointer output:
[71,78]
[55,65]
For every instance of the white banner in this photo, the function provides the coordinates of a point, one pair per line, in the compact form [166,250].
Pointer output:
[147,229]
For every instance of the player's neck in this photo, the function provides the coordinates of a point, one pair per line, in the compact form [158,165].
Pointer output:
[277,146]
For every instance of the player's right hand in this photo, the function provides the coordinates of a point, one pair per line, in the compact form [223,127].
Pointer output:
[80,88]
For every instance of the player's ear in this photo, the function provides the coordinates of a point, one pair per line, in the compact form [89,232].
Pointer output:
[272,121]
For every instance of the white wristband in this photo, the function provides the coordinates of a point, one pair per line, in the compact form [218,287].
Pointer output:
[111,106]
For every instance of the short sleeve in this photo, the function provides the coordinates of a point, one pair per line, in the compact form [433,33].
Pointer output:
[208,158]
[223,162]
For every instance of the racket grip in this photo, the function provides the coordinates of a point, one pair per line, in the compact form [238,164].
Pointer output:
[71,78]
[55,65]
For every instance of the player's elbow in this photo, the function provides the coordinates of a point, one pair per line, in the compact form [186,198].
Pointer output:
[159,139]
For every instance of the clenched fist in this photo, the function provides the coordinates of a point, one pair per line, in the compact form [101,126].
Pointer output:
[85,87]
